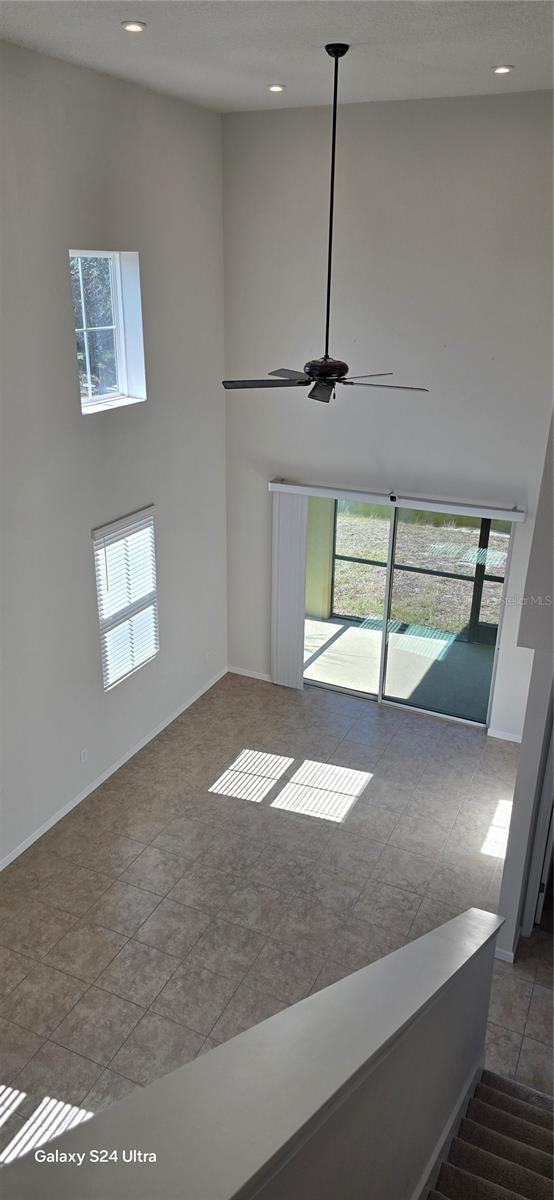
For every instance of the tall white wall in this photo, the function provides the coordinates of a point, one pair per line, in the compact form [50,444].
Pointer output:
[442,274]
[95,163]
[535,631]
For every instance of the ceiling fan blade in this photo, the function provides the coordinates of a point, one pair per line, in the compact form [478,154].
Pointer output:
[285,373]
[395,387]
[264,383]
[376,375]
[322,391]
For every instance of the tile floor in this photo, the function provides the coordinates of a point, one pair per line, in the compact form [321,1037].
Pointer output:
[164,915]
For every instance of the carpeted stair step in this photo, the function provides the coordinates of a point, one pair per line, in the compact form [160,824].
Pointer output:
[511,1126]
[510,1104]
[518,1090]
[506,1147]
[456,1184]
[505,1173]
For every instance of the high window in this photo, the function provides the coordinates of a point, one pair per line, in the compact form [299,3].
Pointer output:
[107,314]
[125,565]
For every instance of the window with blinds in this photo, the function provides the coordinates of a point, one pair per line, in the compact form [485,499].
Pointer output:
[125,566]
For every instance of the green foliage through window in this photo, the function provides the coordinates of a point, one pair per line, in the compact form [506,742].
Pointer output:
[94,312]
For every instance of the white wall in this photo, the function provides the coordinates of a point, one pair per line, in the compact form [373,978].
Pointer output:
[535,631]
[92,162]
[442,274]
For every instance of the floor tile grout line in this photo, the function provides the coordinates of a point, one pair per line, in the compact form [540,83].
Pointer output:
[239,985]
[150,1009]
[89,984]
[317,729]
[106,990]
[41,1047]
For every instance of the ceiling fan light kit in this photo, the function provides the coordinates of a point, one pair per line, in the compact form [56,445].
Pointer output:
[325,373]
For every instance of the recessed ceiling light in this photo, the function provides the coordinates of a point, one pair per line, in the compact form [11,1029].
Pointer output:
[503,70]
[134,26]
[276,87]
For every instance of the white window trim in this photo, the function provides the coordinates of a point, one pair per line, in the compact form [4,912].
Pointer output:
[99,405]
[103,401]
[101,537]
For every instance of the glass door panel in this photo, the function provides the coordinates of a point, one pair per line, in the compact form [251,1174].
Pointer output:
[345,593]
[446,590]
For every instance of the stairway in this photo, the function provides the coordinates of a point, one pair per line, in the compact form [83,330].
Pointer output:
[504,1146]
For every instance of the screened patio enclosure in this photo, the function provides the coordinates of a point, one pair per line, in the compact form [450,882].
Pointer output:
[401,603]
[443,607]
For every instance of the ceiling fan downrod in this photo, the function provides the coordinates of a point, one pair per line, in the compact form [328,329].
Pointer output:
[322,375]
[336,51]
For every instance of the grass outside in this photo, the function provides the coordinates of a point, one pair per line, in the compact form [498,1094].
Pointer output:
[443,604]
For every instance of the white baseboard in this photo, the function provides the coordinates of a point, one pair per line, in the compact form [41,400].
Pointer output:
[508,955]
[91,787]
[504,955]
[440,1153]
[504,737]
[250,674]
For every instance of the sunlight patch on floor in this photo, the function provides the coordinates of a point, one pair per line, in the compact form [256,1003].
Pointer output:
[49,1120]
[495,842]
[319,789]
[314,802]
[496,838]
[255,762]
[425,642]
[252,775]
[332,778]
[243,786]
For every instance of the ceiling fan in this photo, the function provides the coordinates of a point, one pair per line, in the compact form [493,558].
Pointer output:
[326,372]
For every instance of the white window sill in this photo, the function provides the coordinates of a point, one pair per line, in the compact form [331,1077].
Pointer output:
[112,402]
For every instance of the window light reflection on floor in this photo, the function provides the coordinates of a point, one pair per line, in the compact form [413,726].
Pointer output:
[49,1120]
[322,790]
[316,789]
[252,775]
[314,802]
[242,786]
[425,642]
[495,842]
[496,838]
[255,762]
[10,1099]
[331,778]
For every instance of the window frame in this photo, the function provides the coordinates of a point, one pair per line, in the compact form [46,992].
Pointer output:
[479,630]
[369,562]
[108,534]
[126,342]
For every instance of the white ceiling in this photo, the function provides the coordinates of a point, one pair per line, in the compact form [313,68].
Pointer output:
[224,54]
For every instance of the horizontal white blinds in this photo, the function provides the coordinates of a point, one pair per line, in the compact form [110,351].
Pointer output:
[125,566]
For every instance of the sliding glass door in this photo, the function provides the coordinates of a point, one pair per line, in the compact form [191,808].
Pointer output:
[404,604]
[444,608]
[348,551]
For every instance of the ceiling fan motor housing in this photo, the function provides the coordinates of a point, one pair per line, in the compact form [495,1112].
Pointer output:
[337,49]
[326,369]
